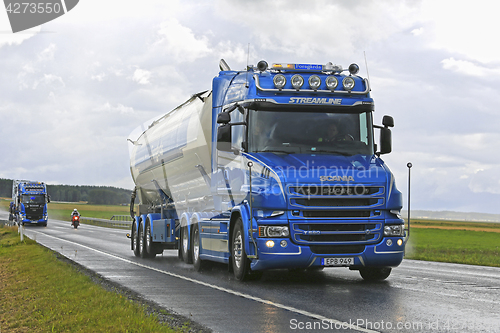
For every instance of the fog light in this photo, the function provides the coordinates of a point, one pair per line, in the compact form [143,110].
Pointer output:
[348,83]
[283,243]
[279,81]
[270,243]
[331,82]
[400,242]
[297,81]
[314,82]
[388,242]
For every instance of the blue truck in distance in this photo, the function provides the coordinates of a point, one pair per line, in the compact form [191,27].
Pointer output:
[275,167]
[29,200]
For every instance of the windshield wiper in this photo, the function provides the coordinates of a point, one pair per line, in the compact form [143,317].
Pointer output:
[274,151]
[331,151]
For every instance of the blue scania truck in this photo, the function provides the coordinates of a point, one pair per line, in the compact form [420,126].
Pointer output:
[274,167]
[29,202]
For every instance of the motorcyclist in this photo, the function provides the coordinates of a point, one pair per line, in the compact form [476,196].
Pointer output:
[75,213]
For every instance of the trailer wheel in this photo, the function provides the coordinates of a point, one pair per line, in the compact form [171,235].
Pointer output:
[241,264]
[150,248]
[142,245]
[135,240]
[375,273]
[186,254]
[199,264]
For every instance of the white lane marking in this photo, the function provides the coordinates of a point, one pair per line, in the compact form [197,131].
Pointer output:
[337,323]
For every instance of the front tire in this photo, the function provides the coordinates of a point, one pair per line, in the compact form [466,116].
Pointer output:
[375,273]
[240,262]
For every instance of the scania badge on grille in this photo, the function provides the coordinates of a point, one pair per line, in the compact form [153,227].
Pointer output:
[336,178]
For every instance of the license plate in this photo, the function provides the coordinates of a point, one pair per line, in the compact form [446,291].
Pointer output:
[337,261]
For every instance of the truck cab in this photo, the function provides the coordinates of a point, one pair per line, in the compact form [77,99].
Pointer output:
[321,195]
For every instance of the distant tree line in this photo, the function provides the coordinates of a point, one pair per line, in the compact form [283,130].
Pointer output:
[97,195]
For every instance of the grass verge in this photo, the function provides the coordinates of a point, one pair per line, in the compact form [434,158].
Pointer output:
[40,293]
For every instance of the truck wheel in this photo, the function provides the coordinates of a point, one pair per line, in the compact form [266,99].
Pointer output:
[199,264]
[241,264]
[375,273]
[142,246]
[150,248]
[135,240]
[186,254]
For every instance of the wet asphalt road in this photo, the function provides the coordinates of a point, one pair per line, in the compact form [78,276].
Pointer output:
[417,297]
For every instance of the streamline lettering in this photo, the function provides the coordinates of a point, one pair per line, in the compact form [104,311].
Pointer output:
[310,100]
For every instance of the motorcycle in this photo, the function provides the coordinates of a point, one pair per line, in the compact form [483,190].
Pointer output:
[75,221]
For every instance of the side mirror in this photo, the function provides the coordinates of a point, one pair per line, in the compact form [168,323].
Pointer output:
[48,198]
[388,121]
[223,118]
[385,140]
[224,136]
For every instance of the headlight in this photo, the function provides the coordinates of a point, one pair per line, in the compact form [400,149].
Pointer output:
[331,82]
[394,230]
[279,81]
[314,82]
[273,231]
[297,81]
[348,83]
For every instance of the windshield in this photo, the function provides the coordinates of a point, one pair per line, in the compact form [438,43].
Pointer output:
[310,132]
[33,199]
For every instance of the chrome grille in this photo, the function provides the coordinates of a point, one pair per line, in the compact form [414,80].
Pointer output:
[335,233]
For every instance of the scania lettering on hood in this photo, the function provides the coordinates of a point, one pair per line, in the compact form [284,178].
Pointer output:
[274,167]
[336,178]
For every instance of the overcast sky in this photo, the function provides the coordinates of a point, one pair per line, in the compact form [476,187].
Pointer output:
[73,89]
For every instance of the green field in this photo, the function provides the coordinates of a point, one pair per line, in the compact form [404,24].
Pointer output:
[63,210]
[41,293]
[473,243]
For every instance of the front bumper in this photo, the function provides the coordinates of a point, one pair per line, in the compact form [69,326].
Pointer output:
[39,221]
[300,256]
